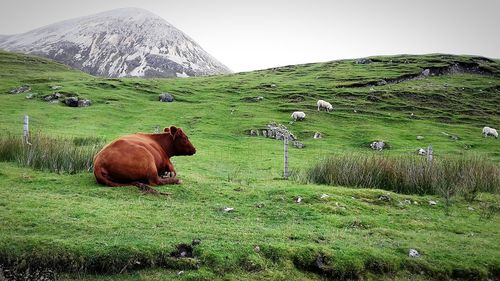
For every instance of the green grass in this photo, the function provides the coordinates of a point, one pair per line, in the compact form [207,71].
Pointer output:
[71,224]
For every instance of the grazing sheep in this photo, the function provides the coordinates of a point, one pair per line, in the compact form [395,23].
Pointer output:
[324,104]
[298,115]
[421,151]
[490,131]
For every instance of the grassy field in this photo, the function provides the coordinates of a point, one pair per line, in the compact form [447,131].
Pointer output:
[69,224]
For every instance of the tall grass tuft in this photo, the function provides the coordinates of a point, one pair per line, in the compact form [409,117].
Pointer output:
[57,155]
[408,175]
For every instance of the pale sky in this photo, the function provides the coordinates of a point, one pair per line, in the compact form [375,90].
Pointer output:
[257,34]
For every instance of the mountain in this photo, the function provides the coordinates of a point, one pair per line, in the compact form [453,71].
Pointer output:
[118,43]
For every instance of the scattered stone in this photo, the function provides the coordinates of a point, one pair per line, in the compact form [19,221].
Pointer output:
[71,101]
[298,144]
[323,196]
[426,72]
[298,199]
[455,138]
[420,137]
[421,151]
[470,208]
[259,98]
[228,210]
[56,87]
[84,103]
[432,203]
[363,61]
[317,135]
[20,90]
[196,242]
[377,145]
[166,97]
[337,205]
[259,205]
[254,132]
[381,82]
[415,203]
[355,111]
[413,253]
[31,96]
[180,272]
[405,202]
[54,101]
[385,197]
[256,249]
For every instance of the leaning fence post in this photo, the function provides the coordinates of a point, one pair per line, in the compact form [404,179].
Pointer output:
[26,130]
[285,150]
[429,154]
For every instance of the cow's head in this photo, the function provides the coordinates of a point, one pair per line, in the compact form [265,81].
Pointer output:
[181,143]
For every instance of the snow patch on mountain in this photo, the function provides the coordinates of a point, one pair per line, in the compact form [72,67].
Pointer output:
[118,43]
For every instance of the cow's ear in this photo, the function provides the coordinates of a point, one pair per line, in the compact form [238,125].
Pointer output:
[166,130]
[173,129]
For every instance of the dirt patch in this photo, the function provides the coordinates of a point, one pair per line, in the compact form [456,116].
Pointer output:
[182,251]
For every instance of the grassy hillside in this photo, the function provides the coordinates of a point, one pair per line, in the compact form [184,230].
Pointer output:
[71,224]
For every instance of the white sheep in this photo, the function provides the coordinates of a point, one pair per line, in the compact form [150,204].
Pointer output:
[490,131]
[298,115]
[324,104]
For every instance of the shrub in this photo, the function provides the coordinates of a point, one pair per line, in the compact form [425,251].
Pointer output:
[48,153]
[408,175]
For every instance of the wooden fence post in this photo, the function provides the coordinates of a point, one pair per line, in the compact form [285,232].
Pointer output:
[26,130]
[285,150]
[429,154]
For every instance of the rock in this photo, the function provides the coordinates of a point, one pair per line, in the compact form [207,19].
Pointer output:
[363,61]
[196,242]
[166,97]
[228,210]
[254,132]
[415,203]
[71,101]
[317,135]
[256,249]
[426,72]
[421,151]
[455,138]
[264,133]
[413,253]
[20,90]
[432,203]
[298,199]
[381,82]
[405,202]
[31,96]
[323,196]
[180,273]
[470,208]
[56,87]
[377,145]
[420,137]
[54,101]
[298,144]
[259,98]
[84,103]
[385,197]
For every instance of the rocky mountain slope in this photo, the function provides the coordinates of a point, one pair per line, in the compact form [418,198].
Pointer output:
[118,43]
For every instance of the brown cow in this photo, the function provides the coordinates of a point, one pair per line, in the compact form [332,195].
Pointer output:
[141,159]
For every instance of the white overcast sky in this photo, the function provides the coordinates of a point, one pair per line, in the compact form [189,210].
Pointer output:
[256,34]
